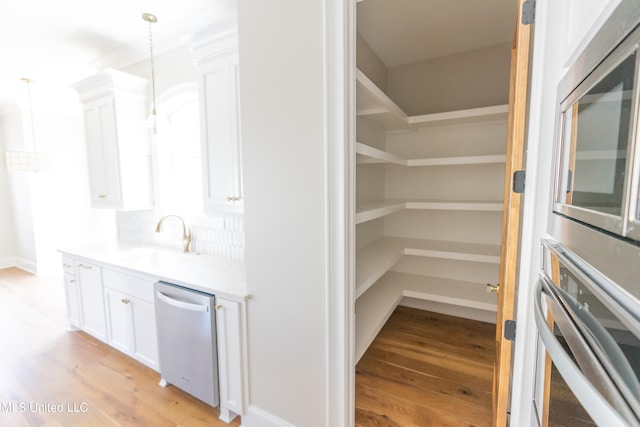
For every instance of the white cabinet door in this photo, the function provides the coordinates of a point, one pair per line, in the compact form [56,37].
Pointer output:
[102,153]
[220,134]
[131,320]
[143,328]
[71,292]
[231,362]
[117,138]
[91,299]
[119,332]
[131,326]
[73,301]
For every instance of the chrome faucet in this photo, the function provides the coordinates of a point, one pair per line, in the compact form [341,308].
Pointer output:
[186,235]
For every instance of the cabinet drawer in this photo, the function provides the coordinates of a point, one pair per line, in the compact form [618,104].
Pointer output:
[68,265]
[134,286]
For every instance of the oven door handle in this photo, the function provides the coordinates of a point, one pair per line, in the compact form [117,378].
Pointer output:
[606,348]
[598,407]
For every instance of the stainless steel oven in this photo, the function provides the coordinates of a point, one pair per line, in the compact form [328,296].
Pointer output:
[589,345]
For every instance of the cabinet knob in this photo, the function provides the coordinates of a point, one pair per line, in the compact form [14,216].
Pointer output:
[72,281]
[102,196]
[217,307]
[125,301]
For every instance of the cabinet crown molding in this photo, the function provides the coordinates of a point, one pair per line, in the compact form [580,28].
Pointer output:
[205,47]
[109,81]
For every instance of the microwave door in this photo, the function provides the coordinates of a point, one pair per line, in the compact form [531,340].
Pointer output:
[587,380]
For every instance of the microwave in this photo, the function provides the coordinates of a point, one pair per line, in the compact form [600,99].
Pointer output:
[598,154]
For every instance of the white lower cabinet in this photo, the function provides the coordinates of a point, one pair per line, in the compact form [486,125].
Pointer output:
[91,300]
[131,322]
[231,361]
[72,294]
[118,308]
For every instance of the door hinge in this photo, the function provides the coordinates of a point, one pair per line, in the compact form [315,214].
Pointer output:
[529,12]
[518,181]
[510,330]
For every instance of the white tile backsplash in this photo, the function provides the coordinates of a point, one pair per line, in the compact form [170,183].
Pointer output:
[221,236]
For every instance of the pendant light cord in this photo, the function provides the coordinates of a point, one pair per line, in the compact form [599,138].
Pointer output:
[151,19]
[31,116]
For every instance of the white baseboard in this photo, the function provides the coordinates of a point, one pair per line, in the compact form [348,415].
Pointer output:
[256,417]
[451,310]
[21,263]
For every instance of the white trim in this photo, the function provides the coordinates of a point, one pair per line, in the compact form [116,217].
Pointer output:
[20,263]
[536,199]
[579,41]
[339,60]
[256,417]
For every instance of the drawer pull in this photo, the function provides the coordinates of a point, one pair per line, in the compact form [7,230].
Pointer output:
[88,267]
[124,301]
[218,307]
[66,265]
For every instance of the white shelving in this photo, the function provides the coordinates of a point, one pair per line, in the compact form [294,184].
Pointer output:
[375,259]
[413,171]
[376,305]
[372,210]
[367,154]
[373,104]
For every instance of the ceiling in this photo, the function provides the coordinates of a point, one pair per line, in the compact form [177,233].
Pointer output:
[63,41]
[66,40]
[405,31]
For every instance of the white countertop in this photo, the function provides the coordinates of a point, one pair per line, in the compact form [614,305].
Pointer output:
[206,273]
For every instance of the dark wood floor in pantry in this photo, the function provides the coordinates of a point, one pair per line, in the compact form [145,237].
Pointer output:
[427,369]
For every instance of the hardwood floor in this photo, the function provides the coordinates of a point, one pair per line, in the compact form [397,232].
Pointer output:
[52,377]
[427,369]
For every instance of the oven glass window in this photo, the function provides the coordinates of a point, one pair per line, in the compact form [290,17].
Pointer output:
[564,407]
[595,136]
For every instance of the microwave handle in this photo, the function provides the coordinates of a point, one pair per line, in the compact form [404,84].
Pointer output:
[594,403]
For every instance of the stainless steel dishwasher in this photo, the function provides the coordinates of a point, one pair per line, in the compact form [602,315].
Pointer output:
[187,341]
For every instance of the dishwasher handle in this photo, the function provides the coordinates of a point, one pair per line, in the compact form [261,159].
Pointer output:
[181,304]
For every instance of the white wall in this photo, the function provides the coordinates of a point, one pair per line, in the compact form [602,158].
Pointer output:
[283,132]
[44,211]
[171,68]
[7,225]
[477,78]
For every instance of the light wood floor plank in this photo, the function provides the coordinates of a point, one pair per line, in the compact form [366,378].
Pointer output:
[43,364]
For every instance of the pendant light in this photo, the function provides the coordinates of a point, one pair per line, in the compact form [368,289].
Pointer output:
[29,159]
[152,19]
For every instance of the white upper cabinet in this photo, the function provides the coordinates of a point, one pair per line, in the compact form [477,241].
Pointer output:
[216,61]
[118,148]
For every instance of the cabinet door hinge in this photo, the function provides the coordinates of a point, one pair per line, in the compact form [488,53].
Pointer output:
[518,181]
[510,330]
[529,12]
